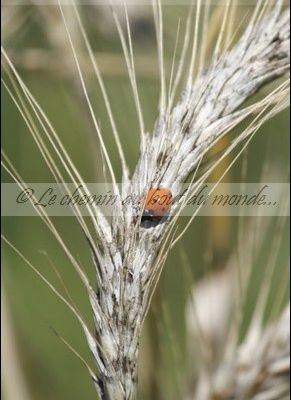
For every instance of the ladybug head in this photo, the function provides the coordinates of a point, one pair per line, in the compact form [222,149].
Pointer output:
[147,216]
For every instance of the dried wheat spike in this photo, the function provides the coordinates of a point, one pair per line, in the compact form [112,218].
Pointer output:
[130,257]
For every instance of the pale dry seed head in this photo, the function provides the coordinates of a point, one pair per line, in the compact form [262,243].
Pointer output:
[207,109]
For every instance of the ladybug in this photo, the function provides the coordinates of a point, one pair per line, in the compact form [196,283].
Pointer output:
[157,204]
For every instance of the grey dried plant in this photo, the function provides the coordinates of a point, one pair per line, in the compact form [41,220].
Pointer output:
[128,256]
[254,365]
[257,369]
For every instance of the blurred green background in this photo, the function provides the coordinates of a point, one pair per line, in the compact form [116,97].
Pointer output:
[36,39]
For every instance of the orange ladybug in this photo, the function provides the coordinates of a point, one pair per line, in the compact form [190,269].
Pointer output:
[157,204]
